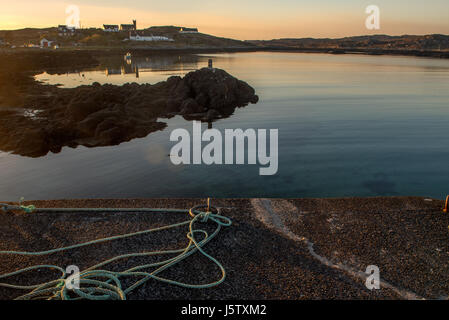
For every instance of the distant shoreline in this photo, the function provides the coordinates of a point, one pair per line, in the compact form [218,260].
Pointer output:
[377,52]
[193,50]
[96,40]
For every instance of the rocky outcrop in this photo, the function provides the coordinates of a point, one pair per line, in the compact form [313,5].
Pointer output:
[209,89]
[50,118]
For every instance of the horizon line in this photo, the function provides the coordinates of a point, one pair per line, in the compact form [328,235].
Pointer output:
[281,38]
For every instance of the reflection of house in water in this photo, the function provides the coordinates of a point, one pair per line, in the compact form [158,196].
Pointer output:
[112,71]
[129,69]
[169,62]
[123,70]
[152,63]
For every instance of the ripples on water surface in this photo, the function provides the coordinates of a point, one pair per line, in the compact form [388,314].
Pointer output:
[349,125]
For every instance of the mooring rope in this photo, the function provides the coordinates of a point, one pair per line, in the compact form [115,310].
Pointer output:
[96,283]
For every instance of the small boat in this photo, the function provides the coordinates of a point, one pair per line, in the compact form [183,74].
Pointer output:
[128,56]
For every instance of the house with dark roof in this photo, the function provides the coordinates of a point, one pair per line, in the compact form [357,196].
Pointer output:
[129,27]
[111,28]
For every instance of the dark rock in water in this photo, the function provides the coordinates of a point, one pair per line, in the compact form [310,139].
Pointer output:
[104,115]
[254,99]
[216,89]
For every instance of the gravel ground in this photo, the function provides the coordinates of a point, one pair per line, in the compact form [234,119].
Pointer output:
[275,249]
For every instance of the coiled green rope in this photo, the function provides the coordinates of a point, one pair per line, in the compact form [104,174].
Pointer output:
[96,283]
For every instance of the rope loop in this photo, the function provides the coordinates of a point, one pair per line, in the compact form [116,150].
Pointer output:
[197,210]
[206,216]
[100,284]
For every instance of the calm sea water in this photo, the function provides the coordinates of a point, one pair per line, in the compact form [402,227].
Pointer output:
[349,125]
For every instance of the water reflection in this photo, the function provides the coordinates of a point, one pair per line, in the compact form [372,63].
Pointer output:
[349,125]
[117,70]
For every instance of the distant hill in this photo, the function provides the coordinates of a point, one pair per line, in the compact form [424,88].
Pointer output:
[25,36]
[405,42]
[95,37]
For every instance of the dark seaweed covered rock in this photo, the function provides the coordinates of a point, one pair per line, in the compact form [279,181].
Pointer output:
[219,90]
[103,115]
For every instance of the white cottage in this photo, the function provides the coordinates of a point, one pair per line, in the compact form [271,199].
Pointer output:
[136,37]
[44,43]
[188,30]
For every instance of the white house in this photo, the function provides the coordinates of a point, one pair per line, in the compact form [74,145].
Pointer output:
[137,37]
[188,30]
[44,43]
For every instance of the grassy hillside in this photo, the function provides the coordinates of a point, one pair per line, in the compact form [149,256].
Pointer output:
[98,38]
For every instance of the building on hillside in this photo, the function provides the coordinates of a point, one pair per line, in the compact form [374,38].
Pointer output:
[129,27]
[188,30]
[64,31]
[111,28]
[140,36]
[44,43]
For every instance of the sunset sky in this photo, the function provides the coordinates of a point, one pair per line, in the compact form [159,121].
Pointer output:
[240,19]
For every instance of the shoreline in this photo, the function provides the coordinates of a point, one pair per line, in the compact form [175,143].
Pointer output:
[289,249]
[107,115]
[202,50]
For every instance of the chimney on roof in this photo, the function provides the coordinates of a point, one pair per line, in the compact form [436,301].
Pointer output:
[135,24]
